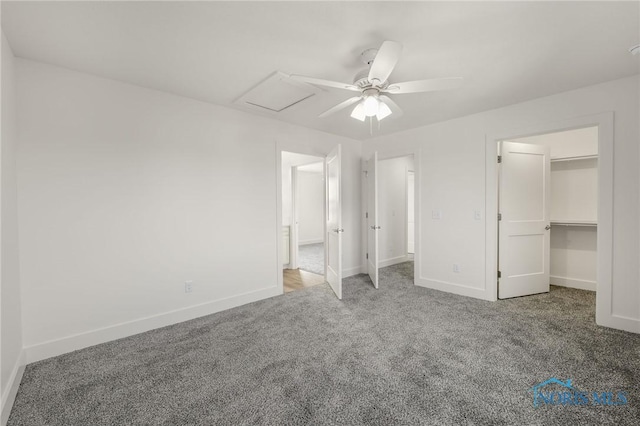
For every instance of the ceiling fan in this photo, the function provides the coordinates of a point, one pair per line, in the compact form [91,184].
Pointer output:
[374,87]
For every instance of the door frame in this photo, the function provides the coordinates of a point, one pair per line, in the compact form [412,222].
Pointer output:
[388,155]
[406,230]
[293,232]
[605,124]
[282,146]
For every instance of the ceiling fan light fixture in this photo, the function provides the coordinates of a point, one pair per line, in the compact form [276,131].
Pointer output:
[358,112]
[383,111]
[371,105]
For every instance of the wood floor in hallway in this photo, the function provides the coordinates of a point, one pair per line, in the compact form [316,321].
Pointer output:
[296,279]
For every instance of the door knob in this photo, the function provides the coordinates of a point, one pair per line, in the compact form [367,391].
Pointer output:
[375,227]
[337,230]
[547,227]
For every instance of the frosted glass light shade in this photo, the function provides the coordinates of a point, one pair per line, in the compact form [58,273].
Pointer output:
[383,111]
[358,112]
[371,106]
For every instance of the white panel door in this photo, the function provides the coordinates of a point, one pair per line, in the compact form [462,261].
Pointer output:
[524,226]
[372,217]
[333,251]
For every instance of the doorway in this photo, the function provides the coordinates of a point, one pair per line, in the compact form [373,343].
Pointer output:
[395,209]
[548,212]
[391,206]
[303,221]
[309,195]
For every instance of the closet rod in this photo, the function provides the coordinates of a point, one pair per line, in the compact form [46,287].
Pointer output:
[589,224]
[580,157]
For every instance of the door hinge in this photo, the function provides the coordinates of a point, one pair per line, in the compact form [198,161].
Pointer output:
[499,158]
[367,255]
[499,216]
[366,215]
[499,274]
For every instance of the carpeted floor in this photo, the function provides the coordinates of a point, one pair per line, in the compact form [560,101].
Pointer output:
[311,258]
[397,355]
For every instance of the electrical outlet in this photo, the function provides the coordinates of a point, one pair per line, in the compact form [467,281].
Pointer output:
[188,286]
[456,268]
[436,214]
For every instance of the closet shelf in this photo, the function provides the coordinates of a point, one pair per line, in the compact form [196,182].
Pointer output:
[579,157]
[591,223]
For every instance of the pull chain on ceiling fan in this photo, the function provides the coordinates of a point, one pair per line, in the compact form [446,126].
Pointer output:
[374,87]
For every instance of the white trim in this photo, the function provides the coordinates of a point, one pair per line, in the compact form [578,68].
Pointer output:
[313,241]
[118,331]
[620,322]
[449,287]
[573,283]
[605,123]
[393,261]
[11,390]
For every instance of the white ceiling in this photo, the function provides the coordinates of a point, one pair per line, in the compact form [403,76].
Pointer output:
[507,52]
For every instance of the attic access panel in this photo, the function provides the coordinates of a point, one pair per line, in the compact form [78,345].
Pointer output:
[276,93]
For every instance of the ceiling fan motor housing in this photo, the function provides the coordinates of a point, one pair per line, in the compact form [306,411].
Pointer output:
[361,79]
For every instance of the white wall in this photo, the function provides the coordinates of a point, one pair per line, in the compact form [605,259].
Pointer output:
[125,193]
[392,209]
[11,358]
[574,257]
[310,204]
[452,179]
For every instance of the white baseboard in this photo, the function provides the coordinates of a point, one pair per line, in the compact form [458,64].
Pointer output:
[313,241]
[459,289]
[118,331]
[394,261]
[348,272]
[11,390]
[619,322]
[573,283]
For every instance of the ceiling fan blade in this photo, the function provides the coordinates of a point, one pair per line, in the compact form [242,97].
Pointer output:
[425,85]
[340,106]
[395,109]
[327,83]
[385,60]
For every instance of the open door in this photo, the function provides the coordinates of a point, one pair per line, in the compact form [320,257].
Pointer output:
[372,217]
[524,225]
[333,251]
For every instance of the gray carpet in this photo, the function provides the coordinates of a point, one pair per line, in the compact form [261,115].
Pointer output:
[311,258]
[397,355]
